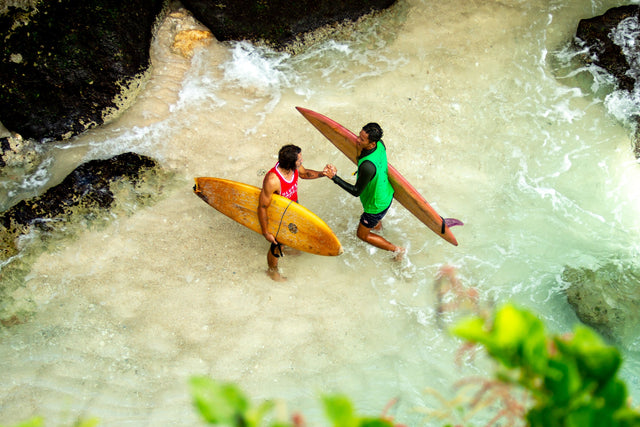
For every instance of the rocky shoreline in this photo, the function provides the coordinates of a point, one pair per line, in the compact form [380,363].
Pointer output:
[73,65]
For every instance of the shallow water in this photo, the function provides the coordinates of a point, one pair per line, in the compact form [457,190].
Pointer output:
[479,113]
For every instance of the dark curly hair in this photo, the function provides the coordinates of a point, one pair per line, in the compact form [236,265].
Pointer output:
[374,131]
[288,156]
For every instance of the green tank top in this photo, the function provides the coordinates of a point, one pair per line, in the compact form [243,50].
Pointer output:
[377,195]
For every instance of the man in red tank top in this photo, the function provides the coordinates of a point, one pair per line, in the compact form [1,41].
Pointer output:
[288,187]
[282,179]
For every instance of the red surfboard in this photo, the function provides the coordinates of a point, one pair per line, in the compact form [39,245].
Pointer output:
[405,193]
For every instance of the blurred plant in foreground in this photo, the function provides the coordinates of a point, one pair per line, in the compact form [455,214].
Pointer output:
[542,380]
[225,404]
[39,422]
[570,379]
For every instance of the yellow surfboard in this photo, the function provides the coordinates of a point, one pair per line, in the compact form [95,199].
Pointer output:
[292,224]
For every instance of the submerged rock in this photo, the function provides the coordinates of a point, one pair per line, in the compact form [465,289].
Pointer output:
[607,299]
[85,192]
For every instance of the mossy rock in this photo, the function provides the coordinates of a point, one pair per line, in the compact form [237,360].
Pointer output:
[82,195]
[64,63]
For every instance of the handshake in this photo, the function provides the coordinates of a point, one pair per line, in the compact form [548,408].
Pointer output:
[329,171]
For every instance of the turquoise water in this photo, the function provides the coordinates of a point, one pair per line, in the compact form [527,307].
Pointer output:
[480,112]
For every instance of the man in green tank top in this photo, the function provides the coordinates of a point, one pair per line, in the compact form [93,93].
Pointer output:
[372,185]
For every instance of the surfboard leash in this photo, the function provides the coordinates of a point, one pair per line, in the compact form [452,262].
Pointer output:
[278,246]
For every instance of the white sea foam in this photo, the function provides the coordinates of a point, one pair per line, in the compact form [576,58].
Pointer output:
[257,68]
[624,106]
[626,35]
[201,91]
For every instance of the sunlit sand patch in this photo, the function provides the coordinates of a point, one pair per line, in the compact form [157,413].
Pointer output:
[188,40]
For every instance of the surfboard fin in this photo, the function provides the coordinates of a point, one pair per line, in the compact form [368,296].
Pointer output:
[452,222]
[449,222]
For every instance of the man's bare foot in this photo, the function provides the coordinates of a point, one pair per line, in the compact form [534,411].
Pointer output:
[398,253]
[275,275]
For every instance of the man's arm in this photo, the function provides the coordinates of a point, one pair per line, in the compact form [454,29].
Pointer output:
[270,186]
[366,172]
[309,173]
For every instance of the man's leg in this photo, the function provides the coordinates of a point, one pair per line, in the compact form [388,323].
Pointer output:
[365,234]
[273,272]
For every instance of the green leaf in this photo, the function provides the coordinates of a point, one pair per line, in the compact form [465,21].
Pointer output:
[375,422]
[92,422]
[534,347]
[339,410]
[516,336]
[598,360]
[562,381]
[471,330]
[510,327]
[33,422]
[538,417]
[615,394]
[219,403]
[627,417]
[255,415]
[586,416]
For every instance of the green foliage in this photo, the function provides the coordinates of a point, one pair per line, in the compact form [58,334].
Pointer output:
[219,403]
[34,422]
[341,413]
[225,404]
[572,379]
[39,422]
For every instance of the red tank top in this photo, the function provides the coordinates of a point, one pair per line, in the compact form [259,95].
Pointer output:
[288,189]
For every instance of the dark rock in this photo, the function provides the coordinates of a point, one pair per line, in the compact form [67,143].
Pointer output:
[18,154]
[4,147]
[615,51]
[63,64]
[86,190]
[595,34]
[275,21]
[606,299]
